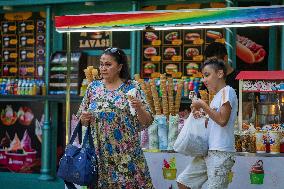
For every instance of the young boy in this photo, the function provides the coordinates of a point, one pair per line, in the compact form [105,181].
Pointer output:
[222,114]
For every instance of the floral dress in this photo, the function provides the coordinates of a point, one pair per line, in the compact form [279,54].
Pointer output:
[121,162]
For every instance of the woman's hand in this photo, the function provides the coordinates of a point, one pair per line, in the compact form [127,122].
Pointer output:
[136,104]
[86,118]
[196,107]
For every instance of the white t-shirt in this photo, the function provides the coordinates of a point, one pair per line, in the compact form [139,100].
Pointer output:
[222,138]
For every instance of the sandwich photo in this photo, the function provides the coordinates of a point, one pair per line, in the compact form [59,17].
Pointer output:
[169,52]
[192,36]
[190,52]
[171,68]
[151,36]
[149,68]
[191,68]
[149,52]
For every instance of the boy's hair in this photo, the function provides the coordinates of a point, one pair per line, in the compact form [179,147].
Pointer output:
[216,64]
[216,49]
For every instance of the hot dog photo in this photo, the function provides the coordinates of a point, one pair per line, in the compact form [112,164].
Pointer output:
[249,51]
[213,35]
[252,46]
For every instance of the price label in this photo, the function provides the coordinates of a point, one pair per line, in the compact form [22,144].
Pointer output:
[30,69]
[176,58]
[12,28]
[13,41]
[155,58]
[30,41]
[30,27]
[222,40]
[198,41]
[13,55]
[177,42]
[156,42]
[30,55]
[198,58]
[13,70]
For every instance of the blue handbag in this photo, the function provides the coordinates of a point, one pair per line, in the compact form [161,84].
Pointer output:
[79,165]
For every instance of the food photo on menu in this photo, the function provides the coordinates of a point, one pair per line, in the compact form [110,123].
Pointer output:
[149,52]
[252,50]
[171,35]
[190,36]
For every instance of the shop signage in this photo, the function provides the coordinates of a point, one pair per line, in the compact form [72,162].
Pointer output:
[90,40]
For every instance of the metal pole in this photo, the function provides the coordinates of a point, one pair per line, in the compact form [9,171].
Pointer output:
[133,45]
[68,87]
[231,40]
[46,130]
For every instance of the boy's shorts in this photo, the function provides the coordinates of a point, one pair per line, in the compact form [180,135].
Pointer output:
[215,168]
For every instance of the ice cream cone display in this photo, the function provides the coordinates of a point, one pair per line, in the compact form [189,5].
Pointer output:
[137,77]
[156,99]
[91,73]
[149,98]
[171,96]
[163,87]
[178,96]
[257,173]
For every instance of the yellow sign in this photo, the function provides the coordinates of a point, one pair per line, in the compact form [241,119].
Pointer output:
[176,58]
[13,70]
[18,16]
[198,41]
[156,42]
[177,42]
[198,58]
[13,55]
[13,41]
[222,40]
[30,69]
[155,58]
[30,41]
[30,27]
[30,55]
[12,28]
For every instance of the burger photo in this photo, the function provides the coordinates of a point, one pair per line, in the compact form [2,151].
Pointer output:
[149,68]
[190,52]
[171,68]
[191,68]
[151,36]
[192,36]
[149,52]
[169,52]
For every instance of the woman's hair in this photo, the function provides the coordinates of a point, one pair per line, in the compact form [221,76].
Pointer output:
[121,58]
[216,64]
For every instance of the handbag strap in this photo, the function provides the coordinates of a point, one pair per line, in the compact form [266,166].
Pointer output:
[77,130]
[88,137]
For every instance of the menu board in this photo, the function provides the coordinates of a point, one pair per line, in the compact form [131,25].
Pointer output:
[176,51]
[22,45]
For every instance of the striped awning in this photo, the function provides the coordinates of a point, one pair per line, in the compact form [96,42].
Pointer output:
[179,19]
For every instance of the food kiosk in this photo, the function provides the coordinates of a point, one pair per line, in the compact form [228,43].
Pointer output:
[250,168]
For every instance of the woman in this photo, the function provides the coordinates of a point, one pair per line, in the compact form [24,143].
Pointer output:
[222,112]
[120,158]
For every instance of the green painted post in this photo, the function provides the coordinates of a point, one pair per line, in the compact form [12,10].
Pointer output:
[45,146]
[54,128]
[272,45]
[133,46]
[231,40]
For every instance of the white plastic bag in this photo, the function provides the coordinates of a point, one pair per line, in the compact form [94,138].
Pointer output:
[193,138]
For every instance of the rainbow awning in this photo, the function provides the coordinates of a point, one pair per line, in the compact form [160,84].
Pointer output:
[180,19]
